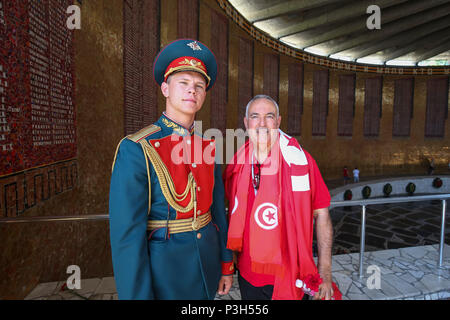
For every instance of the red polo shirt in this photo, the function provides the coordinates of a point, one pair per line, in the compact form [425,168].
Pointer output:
[320,200]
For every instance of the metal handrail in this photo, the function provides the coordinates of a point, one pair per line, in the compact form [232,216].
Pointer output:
[56,218]
[365,202]
[347,203]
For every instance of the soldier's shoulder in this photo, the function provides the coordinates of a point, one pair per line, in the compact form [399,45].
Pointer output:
[130,146]
[144,133]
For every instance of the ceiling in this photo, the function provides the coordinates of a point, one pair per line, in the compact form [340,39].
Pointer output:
[412,32]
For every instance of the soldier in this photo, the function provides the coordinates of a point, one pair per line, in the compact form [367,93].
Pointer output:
[168,226]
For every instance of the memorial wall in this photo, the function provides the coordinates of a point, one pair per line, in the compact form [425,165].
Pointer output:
[61,116]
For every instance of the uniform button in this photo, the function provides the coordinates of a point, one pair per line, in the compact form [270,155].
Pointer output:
[199,235]
[194,165]
[199,211]
[198,188]
[157,144]
[188,141]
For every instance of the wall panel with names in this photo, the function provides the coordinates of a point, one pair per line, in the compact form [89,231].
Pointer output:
[37,109]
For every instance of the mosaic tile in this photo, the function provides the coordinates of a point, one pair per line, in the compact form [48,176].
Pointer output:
[42,290]
[342,281]
[416,274]
[375,294]
[107,285]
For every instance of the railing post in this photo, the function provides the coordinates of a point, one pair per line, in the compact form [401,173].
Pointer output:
[441,242]
[363,241]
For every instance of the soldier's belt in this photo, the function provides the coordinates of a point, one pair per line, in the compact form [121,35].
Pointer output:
[181,225]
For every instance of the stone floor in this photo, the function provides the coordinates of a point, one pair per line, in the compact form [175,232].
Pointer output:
[407,273]
[92,289]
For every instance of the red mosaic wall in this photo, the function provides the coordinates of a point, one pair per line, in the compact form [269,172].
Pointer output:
[245,78]
[37,110]
[271,75]
[373,93]
[187,26]
[219,92]
[141,44]
[437,107]
[403,107]
[346,104]
[320,102]
[295,98]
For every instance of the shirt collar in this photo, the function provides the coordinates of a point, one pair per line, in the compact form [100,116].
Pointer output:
[175,126]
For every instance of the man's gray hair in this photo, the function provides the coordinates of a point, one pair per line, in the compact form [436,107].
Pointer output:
[262,96]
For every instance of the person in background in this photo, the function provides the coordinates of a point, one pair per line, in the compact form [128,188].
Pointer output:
[355,175]
[346,176]
[432,167]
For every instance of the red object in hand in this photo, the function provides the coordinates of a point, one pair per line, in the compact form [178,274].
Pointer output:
[313,281]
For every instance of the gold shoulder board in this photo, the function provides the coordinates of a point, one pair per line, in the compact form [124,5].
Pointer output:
[145,132]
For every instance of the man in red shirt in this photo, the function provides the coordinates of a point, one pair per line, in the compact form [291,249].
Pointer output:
[346,176]
[276,191]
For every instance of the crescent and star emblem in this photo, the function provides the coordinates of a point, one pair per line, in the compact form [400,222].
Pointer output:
[266,216]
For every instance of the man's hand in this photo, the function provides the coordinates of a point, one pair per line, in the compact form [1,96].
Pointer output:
[325,290]
[225,285]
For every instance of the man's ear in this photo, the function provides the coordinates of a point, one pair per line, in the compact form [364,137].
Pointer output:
[279,121]
[246,123]
[165,89]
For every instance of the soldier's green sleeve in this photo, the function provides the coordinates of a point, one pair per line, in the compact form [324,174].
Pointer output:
[128,210]
[220,219]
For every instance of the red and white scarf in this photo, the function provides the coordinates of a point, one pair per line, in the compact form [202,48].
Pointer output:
[281,222]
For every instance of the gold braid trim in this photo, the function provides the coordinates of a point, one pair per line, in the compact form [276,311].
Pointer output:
[148,173]
[115,154]
[178,129]
[167,184]
[149,183]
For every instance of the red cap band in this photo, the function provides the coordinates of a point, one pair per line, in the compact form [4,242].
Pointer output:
[187,64]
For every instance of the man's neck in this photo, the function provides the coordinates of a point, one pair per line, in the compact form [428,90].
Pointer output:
[184,120]
[261,152]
